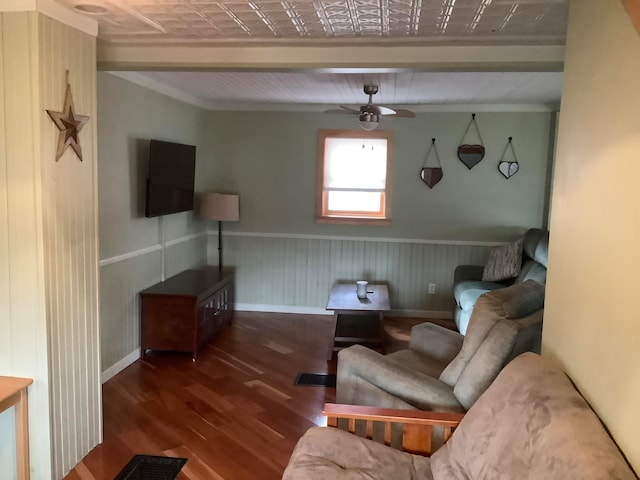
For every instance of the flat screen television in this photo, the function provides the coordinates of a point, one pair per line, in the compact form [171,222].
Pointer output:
[171,177]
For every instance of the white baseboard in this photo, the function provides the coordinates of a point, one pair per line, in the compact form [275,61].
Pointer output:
[259,307]
[120,365]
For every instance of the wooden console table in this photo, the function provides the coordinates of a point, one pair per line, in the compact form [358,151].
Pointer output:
[13,393]
[187,311]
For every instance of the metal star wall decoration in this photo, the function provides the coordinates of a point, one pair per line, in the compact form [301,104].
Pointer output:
[69,123]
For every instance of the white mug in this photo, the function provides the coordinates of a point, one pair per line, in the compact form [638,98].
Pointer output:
[361,288]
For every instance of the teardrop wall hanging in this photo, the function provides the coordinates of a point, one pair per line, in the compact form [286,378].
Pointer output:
[471,154]
[508,168]
[431,175]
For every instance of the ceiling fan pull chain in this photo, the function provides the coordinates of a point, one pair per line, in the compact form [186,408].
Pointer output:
[508,168]
[431,175]
[471,154]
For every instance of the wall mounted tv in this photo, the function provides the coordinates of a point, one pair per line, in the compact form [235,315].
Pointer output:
[171,177]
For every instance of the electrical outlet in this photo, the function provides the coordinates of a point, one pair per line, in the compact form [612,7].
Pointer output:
[432,288]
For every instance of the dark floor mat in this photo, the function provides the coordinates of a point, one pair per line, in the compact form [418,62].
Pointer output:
[316,379]
[149,467]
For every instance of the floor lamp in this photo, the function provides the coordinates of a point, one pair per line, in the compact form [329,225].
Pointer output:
[223,207]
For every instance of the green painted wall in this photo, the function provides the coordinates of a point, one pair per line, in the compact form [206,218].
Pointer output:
[131,257]
[270,159]
[131,115]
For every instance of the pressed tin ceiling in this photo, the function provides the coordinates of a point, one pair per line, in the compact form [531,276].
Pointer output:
[357,23]
[478,22]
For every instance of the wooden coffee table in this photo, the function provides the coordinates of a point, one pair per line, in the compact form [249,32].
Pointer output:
[358,320]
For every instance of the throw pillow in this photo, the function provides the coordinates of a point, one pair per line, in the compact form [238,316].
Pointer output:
[504,262]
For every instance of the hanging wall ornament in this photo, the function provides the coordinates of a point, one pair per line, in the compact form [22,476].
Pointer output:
[471,154]
[69,123]
[431,175]
[508,168]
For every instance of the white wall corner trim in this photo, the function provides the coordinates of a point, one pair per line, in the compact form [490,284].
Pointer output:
[361,239]
[53,10]
[120,365]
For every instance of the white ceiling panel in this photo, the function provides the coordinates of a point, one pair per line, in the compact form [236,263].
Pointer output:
[281,89]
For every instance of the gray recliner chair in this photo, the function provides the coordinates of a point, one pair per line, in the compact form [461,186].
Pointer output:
[468,285]
[443,370]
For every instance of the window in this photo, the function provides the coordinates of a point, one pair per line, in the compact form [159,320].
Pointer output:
[353,176]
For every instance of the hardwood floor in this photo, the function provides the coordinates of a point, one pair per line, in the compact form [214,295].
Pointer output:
[235,413]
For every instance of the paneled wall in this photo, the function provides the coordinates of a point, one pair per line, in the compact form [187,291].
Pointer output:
[50,283]
[23,343]
[69,209]
[121,280]
[296,272]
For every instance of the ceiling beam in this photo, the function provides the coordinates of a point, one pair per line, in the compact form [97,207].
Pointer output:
[342,59]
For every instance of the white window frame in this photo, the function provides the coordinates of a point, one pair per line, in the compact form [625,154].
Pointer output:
[383,215]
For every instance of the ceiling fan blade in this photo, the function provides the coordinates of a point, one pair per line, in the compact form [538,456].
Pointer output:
[383,110]
[399,112]
[343,110]
[404,113]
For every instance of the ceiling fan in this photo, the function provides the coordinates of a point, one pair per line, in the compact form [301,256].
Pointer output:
[369,114]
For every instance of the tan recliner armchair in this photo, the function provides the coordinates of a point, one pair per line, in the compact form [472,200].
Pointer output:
[443,370]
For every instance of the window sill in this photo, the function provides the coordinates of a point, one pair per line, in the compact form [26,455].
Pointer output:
[354,221]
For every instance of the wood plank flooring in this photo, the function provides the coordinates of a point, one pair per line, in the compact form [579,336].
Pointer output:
[235,413]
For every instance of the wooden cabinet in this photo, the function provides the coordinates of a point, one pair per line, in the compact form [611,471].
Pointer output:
[187,311]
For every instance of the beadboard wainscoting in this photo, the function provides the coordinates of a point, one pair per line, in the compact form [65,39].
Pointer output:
[121,280]
[281,273]
[294,273]
[49,246]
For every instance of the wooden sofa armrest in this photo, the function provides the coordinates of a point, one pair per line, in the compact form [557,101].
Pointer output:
[417,425]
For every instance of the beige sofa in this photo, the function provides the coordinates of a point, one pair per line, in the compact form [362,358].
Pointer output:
[530,424]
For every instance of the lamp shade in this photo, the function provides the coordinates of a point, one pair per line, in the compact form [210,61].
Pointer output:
[224,207]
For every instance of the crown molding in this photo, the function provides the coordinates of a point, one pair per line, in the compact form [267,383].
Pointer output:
[146,82]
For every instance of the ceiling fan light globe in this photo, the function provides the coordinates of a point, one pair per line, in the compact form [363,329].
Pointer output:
[369,121]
